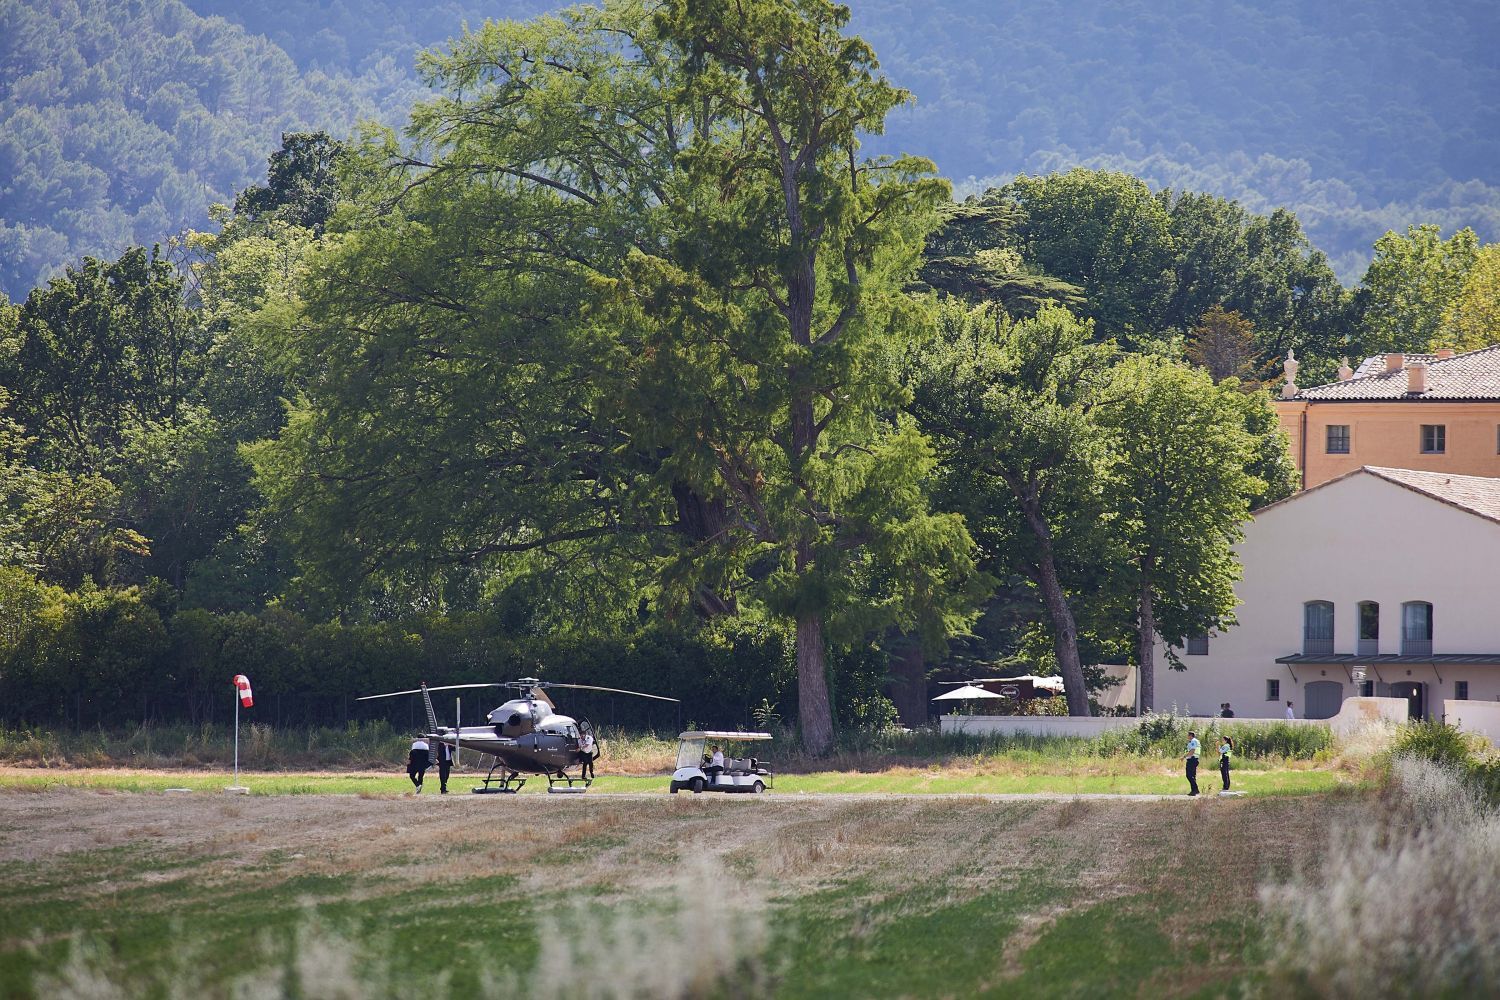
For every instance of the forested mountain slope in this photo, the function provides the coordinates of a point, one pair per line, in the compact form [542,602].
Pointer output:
[120,122]
[1360,116]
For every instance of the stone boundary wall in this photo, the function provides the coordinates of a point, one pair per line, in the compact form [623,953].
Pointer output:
[1482,717]
[1355,714]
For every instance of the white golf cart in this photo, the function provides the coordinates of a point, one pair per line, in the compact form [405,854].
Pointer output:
[697,771]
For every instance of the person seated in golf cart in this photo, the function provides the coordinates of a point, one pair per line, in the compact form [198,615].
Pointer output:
[717,771]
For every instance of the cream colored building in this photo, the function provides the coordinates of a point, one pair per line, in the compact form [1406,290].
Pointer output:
[1390,570]
[1439,412]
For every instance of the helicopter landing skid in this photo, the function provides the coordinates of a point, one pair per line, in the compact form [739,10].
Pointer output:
[574,786]
[510,783]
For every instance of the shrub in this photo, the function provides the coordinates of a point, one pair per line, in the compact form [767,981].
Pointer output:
[1405,905]
[1434,741]
[1166,735]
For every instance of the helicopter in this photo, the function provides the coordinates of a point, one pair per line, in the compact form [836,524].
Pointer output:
[526,735]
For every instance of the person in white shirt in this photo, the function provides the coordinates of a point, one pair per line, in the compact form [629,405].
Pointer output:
[715,765]
[417,762]
[1193,746]
[1289,713]
[590,752]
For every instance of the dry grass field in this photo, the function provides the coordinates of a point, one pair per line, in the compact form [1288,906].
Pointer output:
[106,893]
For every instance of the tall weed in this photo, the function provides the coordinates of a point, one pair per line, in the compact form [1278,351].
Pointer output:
[1405,904]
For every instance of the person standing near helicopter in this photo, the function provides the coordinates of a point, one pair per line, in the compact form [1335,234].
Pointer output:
[589,750]
[418,760]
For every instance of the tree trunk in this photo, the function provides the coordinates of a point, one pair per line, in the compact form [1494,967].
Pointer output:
[704,521]
[1145,643]
[813,711]
[908,688]
[1064,628]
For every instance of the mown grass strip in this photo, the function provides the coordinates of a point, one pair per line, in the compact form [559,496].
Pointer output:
[1253,783]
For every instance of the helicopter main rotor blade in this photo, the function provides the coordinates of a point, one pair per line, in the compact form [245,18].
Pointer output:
[595,687]
[445,687]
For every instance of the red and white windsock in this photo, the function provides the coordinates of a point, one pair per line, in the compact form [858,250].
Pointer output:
[242,684]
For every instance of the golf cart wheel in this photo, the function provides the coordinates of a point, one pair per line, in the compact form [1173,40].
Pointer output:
[673,789]
[696,785]
[758,787]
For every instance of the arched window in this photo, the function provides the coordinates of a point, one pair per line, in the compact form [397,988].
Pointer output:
[1317,627]
[1369,628]
[1416,628]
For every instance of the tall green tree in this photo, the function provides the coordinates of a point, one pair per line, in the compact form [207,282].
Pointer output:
[1177,487]
[17,481]
[301,186]
[1472,319]
[1107,233]
[631,298]
[1013,408]
[104,348]
[1410,285]
[972,255]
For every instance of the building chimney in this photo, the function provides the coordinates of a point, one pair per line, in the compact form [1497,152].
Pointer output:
[1394,362]
[1445,354]
[1345,372]
[1416,377]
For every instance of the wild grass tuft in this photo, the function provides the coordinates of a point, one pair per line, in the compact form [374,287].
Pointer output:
[1406,902]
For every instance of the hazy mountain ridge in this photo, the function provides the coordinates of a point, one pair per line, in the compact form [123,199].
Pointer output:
[1359,117]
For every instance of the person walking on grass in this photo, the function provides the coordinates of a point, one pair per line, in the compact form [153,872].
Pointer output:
[1289,713]
[417,762]
[1226,749]
[445,765]
[1193,746]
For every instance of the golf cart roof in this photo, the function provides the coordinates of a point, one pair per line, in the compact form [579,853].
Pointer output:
[710,734]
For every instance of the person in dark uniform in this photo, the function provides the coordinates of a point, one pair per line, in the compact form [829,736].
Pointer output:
[1225,712]
[445,765]
[1226,749]
[417,763]
[1193,746]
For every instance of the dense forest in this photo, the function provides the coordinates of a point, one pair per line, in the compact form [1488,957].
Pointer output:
[122,122]
[626,356]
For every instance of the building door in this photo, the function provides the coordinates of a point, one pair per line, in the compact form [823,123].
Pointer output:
[1415,694]
[1324,699]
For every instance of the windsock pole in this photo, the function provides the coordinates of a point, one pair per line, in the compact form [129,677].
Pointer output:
[242,696]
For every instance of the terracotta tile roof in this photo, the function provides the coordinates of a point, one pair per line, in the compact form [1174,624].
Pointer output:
[1475,494]
[1474,375]
[1375,363]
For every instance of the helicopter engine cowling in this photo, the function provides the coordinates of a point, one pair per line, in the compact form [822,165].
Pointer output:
[518,717]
